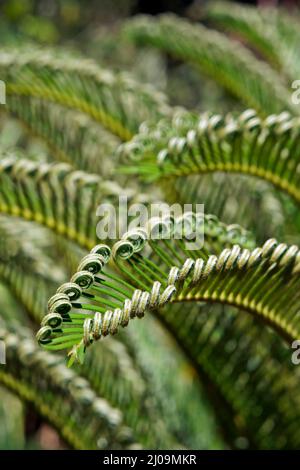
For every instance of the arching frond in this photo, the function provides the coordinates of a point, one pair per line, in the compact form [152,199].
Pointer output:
[238,199]
[63,328]
[287,27]
[56,196]
[223,301]
[265,148]
[102,362]
[110,369]
[63,398]
[225,61]
[259,281]
[115,101]
[72,137]
[273,32]
[249,23]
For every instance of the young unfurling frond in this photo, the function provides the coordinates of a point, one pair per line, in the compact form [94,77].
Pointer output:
[115,101]
[259,281]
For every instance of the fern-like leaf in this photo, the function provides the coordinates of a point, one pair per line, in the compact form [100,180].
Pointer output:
[228,62]
[115,101]
[63,398]
[266,148]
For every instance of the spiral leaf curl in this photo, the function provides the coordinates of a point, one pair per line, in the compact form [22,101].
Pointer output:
[207,274]
[54,195]
[94,329]
[222,277]
[87,283]
[128,392]
[229,63]
[176,275]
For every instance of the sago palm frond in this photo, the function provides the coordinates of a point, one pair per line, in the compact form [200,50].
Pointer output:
[72,137]
[65,399]
[54,195]
[225,61]
[267,148]
[228,196]
[127,389]
[242,278]
[115,101]
[270,31]
[219,292]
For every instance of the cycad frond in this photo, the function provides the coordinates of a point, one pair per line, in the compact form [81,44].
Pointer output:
[249,23]
[72,137]
[110,369]
[228,62]
[63,327]
[259,281]
[224,302]
[54,195]
[128,385]
[229,196]
[115,101]
[273,32]
[267,148]
[65,399]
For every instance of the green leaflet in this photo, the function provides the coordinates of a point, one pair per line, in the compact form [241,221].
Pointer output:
[260,281]
[231,305]
[229,197]
[251,23]
[100,365]
[246,370]
[171,374]
[66,327]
